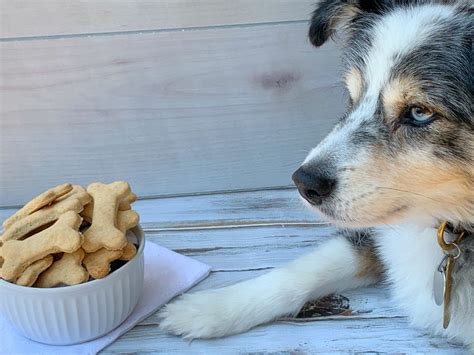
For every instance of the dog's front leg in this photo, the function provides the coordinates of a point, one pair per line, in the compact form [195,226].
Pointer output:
[333,267]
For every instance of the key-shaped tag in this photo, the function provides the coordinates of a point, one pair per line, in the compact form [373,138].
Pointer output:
[453,251]
[448,286]
[439,279]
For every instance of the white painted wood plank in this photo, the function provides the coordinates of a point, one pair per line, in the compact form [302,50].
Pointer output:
[244,248]
[230,209]
[389,335]
[258,258]
[204,241]
[176,112]
[281,207]
[22,18]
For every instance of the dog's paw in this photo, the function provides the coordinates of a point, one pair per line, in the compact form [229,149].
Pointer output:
[198,315]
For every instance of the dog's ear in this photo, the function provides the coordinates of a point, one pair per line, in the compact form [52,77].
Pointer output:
[332,14]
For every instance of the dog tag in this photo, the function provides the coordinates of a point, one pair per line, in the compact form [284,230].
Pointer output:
[447,265]
[439,280]
[448,286]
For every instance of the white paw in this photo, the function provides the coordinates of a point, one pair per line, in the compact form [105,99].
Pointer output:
[199,315]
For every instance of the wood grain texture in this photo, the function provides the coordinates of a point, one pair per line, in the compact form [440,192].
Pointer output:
[254,248]
[281,207]
[175,112]
[25,18]
[374,336]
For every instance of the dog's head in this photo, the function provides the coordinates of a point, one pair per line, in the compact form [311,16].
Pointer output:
[405,148]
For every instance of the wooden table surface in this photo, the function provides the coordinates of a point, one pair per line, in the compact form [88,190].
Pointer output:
[244,234]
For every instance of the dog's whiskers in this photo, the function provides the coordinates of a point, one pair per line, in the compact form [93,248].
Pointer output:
[408,192]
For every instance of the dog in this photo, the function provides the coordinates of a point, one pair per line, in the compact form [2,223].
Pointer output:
[398,164]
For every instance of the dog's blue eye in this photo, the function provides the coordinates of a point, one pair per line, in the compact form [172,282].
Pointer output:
[420,115]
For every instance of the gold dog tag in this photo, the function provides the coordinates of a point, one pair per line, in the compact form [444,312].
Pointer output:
[448,286]
[452,251]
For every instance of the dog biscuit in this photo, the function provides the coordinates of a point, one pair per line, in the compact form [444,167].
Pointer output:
[126,203]
[98,263]
[76,190]
[127,220]
[38,202]
[68,270]
[79,193]
[87,212]
[129,252]
[45,216]
[62,236]
[30,275]
[103,232]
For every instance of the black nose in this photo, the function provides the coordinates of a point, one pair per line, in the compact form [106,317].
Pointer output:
[313,184]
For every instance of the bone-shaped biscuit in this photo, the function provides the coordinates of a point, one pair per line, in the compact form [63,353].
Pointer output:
[30,275]
[103,232]
[87,212]
[128,252]
[68,270]
[100,268]
[98,263]
[45,216]
[37,203]
[79,192]
[124,205]
[62,236]
[127,220]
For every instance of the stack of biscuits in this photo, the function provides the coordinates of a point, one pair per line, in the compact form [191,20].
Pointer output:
[68,235]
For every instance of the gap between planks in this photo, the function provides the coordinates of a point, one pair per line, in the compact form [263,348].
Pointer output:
[244,209]
[195,194]
[237,225]
[149,31]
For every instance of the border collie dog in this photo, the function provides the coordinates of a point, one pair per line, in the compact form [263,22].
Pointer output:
[398,164]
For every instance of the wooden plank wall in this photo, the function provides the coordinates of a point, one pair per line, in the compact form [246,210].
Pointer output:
[176,96]
[33,18]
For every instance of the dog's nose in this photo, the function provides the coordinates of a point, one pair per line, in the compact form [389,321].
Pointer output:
[313,184]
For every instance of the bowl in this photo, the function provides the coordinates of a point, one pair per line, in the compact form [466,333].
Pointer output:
[76,314]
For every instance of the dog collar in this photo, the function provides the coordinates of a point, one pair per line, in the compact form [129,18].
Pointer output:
[443,277]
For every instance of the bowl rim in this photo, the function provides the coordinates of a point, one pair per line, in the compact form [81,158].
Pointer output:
[94,284]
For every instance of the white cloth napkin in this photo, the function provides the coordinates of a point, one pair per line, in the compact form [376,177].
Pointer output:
[167,274]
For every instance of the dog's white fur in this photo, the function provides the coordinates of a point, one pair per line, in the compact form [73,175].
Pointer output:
[411,254]
[409,251]
[330,268]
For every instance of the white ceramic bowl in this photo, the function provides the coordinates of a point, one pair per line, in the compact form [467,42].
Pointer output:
[75,314]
